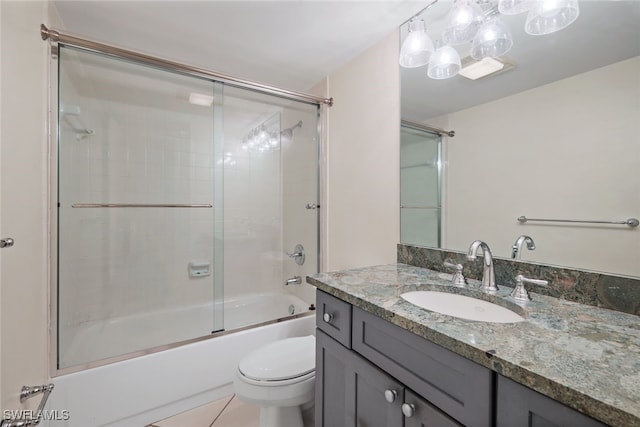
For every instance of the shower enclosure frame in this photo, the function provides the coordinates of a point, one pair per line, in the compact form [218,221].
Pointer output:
[57,39]
[440,181]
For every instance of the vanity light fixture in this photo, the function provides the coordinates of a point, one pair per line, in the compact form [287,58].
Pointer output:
[463,22]
[514,7]
[478,22]
[444,64]
[260,140]
[417,47]
[493,39]
[549,16]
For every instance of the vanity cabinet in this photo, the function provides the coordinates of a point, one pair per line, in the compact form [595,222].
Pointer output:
[520,406]
[352,392]
[385,376]
[370,372]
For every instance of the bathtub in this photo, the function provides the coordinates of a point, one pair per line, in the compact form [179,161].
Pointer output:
[93,341]
[138,391]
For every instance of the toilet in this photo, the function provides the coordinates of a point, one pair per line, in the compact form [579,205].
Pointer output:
[280,378]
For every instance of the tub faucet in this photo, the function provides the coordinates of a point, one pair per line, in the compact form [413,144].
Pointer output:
[295,280]
[488,273]
[516,249]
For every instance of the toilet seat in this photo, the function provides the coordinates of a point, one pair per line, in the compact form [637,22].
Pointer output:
[276,383]
[287,361]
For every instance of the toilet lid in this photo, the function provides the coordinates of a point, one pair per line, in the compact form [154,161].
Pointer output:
[281,360]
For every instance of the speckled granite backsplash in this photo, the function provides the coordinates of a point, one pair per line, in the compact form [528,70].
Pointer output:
[596,289]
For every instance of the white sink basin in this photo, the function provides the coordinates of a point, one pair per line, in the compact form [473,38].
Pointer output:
[462,306]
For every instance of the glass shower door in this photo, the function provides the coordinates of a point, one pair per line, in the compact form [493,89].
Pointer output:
[270,164]
[172,192]
[420,206]
[136,251]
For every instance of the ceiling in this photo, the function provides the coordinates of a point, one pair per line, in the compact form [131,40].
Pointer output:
[288,44]
[294,44]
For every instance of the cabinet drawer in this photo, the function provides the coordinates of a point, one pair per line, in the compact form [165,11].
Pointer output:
[333,316]
[458,386]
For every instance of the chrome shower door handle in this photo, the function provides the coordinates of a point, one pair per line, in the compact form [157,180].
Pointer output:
[6,243]
[312,206]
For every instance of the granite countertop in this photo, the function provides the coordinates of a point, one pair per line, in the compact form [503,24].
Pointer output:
[586,357]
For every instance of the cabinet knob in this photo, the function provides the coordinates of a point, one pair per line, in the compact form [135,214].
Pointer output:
[408,410]
[390,395]
[327,317]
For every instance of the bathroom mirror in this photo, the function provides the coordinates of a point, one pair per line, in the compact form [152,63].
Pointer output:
[555,137]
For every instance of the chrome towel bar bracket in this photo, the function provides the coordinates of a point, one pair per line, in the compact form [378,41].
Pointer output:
[26,393]
[631,222]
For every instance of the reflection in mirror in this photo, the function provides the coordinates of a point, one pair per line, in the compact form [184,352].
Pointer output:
[419,186]
[556,136]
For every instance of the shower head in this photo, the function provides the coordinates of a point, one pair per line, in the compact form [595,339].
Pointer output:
[288,132]
[71,114]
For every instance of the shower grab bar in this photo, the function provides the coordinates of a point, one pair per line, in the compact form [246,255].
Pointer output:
[631,222]
[138,205]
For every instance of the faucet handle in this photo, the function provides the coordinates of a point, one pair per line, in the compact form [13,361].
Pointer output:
[458,278]
[520,293]
[297,254]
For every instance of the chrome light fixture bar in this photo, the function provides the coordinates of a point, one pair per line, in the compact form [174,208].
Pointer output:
[468,22]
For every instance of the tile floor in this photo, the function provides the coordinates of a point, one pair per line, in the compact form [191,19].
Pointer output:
[226,412]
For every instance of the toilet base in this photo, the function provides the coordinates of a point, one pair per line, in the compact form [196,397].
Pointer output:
[280,416]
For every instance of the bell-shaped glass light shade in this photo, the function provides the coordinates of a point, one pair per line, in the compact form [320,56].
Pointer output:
[492,40]
[549,16]
[445,63]
[463,22]
[514,7]
[417,47]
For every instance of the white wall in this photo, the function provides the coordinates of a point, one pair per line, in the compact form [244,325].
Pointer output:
[568,149]
[363,146]
[23,202]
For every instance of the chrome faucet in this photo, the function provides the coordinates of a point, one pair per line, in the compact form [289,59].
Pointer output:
[295,280]
[516,249]
[488,273]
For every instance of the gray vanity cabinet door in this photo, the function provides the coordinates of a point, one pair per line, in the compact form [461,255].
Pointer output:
[332,381]
[457,386]
[520,406]
[424,414]
[350,391]
[373,387]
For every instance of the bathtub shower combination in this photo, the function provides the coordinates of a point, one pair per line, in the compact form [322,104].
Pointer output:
[179,203]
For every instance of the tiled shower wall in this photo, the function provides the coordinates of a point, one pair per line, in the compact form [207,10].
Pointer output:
[252,220]
[124,260]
